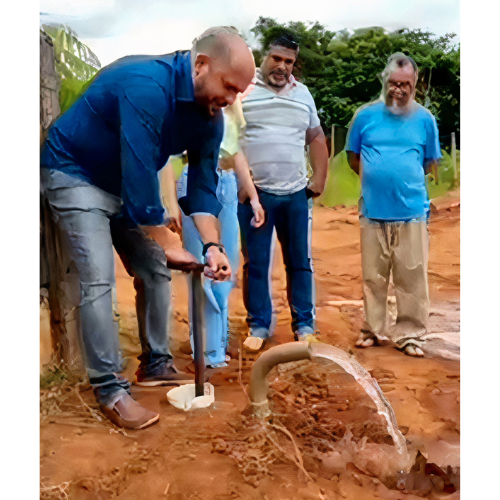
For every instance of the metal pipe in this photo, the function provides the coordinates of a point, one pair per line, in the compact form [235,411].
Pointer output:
[198,299]
[284,353]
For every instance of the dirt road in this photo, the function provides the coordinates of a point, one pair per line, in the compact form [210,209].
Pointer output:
[342,445]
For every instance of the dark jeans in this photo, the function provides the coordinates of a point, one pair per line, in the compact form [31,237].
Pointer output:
[290,215]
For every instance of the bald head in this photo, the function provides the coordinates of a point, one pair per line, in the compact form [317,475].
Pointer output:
[223,66]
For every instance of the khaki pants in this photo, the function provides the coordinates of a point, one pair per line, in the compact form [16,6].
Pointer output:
[402,247]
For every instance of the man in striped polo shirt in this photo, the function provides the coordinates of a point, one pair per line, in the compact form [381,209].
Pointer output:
[281,119]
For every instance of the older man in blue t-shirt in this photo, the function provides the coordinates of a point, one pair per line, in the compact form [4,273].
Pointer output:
[391,143]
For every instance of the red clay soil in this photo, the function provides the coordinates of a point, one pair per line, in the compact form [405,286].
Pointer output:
[326,439]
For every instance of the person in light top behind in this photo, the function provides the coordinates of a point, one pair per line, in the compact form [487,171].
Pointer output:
[234,176]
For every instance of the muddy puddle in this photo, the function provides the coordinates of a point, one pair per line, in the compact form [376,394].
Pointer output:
[325,439]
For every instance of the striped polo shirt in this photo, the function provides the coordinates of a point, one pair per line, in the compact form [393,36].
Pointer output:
[275,135]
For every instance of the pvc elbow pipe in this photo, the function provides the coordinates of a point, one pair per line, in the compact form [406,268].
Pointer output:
[284,353]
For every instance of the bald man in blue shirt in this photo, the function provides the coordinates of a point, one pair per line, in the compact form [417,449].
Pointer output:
[99,173]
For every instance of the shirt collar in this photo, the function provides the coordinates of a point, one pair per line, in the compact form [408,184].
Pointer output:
[184,89]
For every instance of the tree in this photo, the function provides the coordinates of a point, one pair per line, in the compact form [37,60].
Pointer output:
[342,69]
[75,62]
[312,37]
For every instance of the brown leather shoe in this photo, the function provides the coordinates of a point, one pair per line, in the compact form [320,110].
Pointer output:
[130,414]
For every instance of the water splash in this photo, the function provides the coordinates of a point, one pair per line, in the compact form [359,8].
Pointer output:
[369,384]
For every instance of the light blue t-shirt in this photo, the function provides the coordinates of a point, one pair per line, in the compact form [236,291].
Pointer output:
[394,149]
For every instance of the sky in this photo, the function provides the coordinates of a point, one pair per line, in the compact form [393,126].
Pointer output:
[115,28]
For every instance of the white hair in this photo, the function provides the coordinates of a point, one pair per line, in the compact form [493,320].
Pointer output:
[396,61]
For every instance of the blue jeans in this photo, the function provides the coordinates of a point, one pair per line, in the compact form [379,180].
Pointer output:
[85,215]
[217,292]
[291,216]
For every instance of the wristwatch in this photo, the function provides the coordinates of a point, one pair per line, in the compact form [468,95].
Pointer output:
[206,246]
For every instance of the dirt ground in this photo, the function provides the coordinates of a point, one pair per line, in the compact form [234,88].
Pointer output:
[325,440]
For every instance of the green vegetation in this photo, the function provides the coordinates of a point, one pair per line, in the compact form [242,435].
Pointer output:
[75,62]
[344,187]
[342,68]
[342,72]
[445,176]
[56,375]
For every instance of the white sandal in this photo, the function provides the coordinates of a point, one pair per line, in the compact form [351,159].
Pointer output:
[367,339]
[411,347]
[254,344]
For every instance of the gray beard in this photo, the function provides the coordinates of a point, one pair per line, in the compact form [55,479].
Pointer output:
[400,110]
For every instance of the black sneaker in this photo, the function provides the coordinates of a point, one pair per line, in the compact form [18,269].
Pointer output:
[161,372]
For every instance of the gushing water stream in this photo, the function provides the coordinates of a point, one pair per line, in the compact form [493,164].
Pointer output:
[368,383]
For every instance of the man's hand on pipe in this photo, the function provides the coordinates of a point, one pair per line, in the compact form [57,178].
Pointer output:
[177,257]
[181,259]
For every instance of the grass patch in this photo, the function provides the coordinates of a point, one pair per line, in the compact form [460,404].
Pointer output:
[55,374]
[344,188]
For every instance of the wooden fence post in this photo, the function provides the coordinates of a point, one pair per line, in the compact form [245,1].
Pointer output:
[332,151]
[64,331]
[454,158]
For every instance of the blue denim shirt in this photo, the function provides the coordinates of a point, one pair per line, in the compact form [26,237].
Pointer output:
[135,114]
